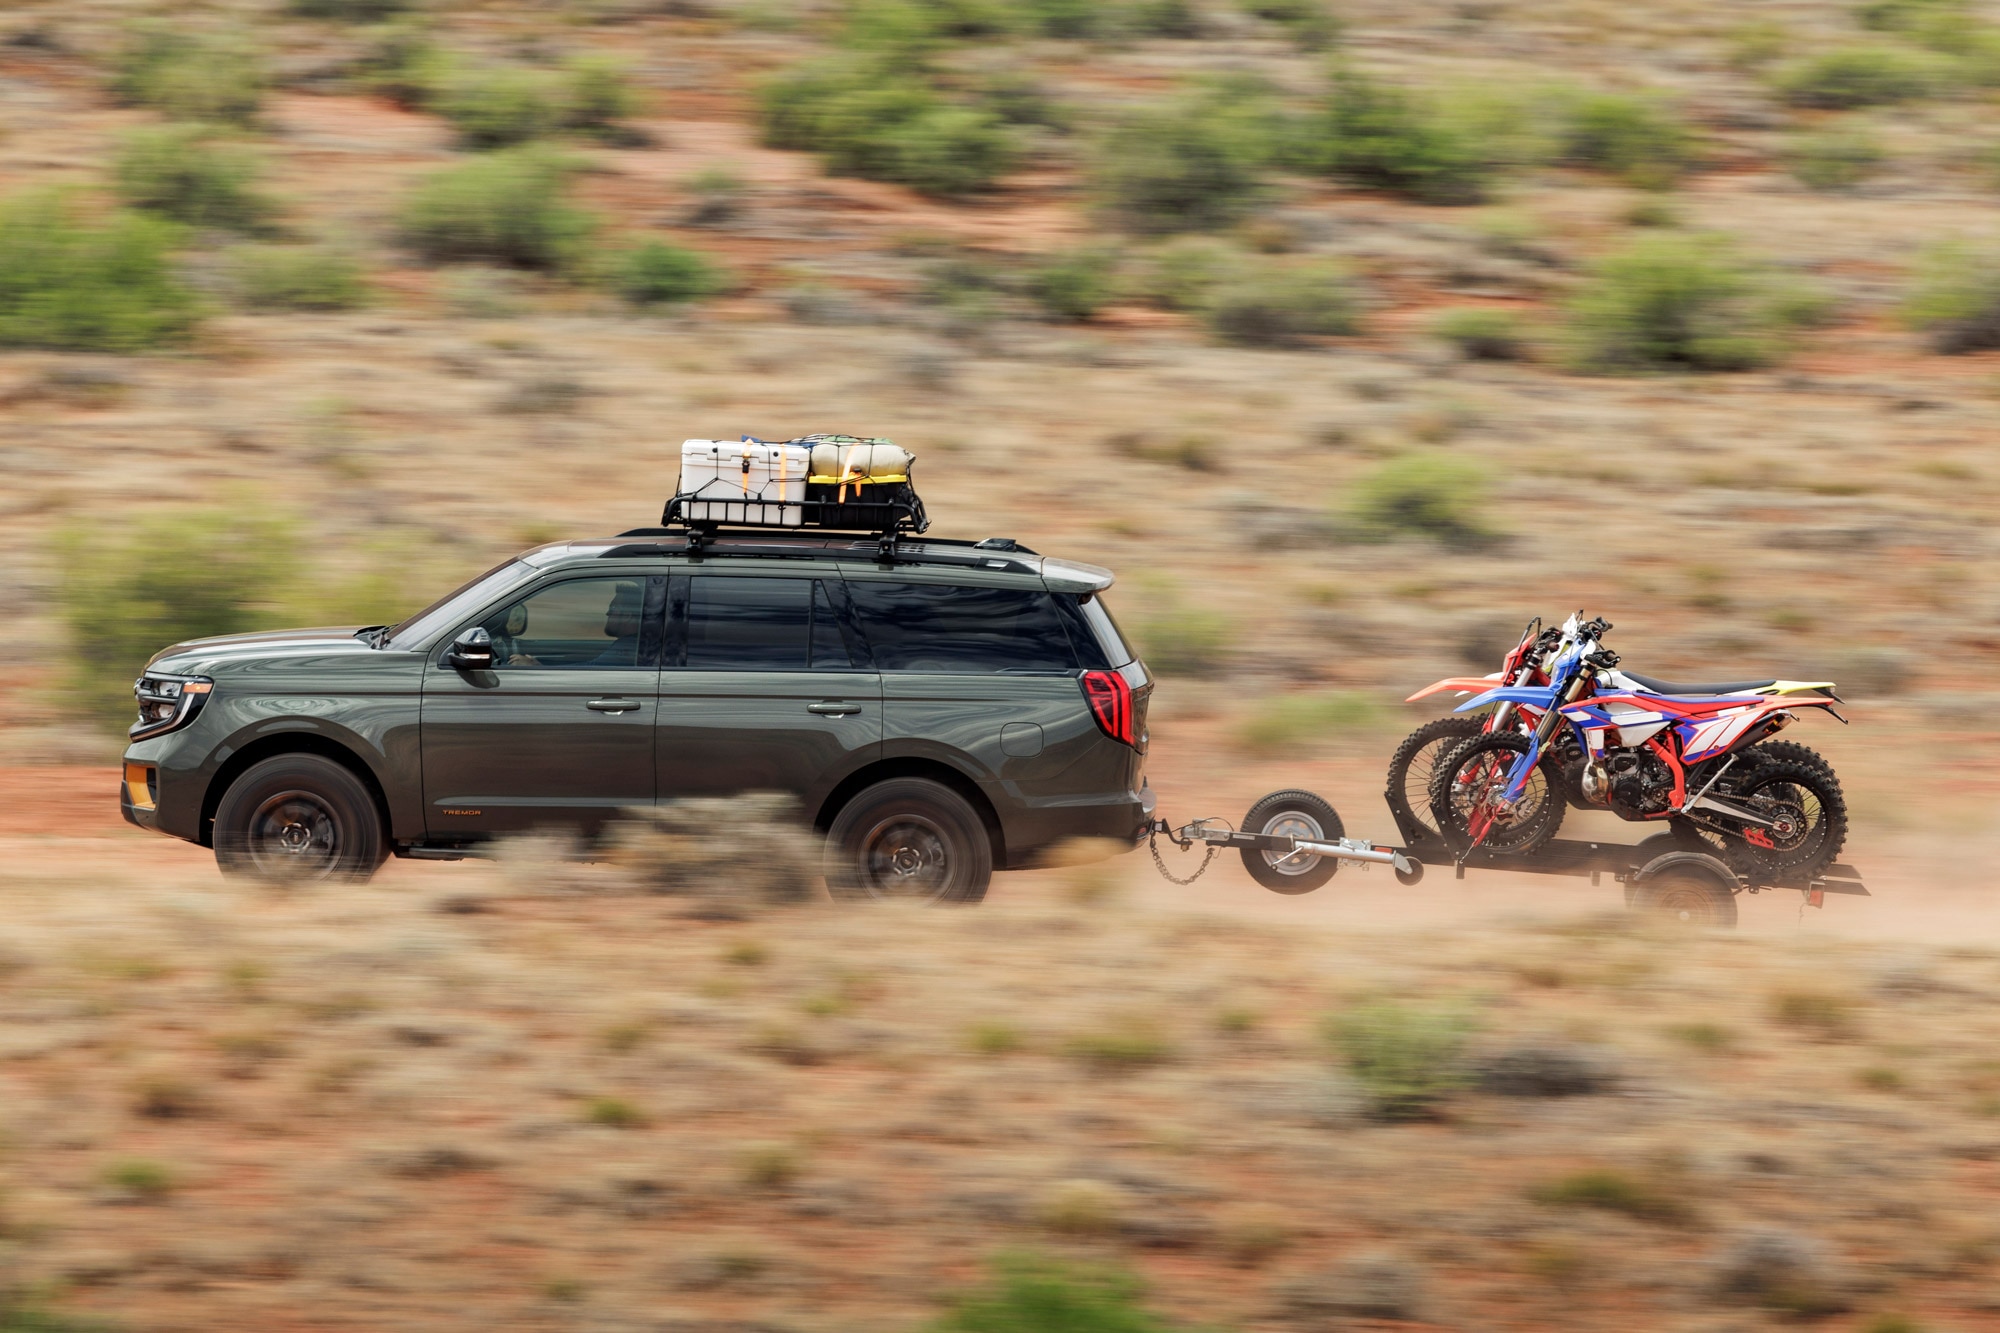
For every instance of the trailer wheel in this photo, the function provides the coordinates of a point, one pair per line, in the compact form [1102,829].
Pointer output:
[1691,888]
[1291,814]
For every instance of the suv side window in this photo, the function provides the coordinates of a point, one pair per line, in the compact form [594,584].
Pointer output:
[941,627]
[735,623]
[580,624]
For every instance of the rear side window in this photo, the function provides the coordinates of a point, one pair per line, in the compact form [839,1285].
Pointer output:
[938,627]
[1099,644]
[757,624]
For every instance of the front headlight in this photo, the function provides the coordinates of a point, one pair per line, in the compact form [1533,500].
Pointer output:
[168,703]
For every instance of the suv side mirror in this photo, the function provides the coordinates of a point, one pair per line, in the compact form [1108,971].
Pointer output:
[472,650]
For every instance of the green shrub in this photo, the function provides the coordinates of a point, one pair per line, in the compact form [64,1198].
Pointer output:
[1631,136]
[1855,76]
[869,121]
[1029,1294]
[1837,157]
[1482,333]
[1617,1192]
[19,1315]
[1164,18]
[140,1178]
[1406,1059]
[298,277]
[1074,284]
[1956,298]
[1391,139]
[189,76]
[349,11]
[654,273]
[1182,274]
[1312,25]
[1180,640]
[1070,18]
[125,597]
[1904,15]
[598,98]
[403,64]
[614,1113]
[1016,97]
[97,285]
[1283,305]
[1824,1014]
[1183,166]
[1675,301]
[1424,494]
[1124,1043]
[500,105]
[509,207]
[1293,723]
[189,174]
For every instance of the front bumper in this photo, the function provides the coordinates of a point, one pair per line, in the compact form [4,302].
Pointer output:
[139,796]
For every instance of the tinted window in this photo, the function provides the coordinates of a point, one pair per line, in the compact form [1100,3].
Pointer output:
[752,624]
[934,627]
[1106,631]
[748,624]
[580,624]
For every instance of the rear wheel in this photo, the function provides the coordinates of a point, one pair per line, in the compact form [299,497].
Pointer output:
[298,818]
[1292,814]
[1415,763]
[1807,822]
[1466,798]
[909,839]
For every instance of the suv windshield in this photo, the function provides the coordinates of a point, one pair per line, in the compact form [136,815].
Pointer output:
[454,605]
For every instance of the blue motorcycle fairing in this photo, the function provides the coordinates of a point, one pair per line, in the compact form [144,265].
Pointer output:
[1535,696]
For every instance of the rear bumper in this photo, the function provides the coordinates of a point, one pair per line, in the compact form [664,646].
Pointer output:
[1031,832]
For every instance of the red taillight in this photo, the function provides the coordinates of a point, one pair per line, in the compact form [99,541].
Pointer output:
[1111,704]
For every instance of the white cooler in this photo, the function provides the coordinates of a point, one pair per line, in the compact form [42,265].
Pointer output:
[744,482]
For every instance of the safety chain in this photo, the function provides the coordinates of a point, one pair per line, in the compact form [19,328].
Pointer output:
[1153,845]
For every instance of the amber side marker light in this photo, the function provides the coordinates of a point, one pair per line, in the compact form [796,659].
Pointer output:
[139,786]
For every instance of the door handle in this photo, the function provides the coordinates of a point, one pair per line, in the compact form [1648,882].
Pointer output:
[833,708]
[612,705]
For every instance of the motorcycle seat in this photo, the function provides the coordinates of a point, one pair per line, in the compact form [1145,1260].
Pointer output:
[1713,687]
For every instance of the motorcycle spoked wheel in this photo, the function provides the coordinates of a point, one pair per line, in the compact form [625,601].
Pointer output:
[1811,814]
[1415,763]
[1696,837]
[1466,783]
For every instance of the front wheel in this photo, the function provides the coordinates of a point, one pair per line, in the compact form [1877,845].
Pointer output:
[1466,798]
[1415,763]
[298,818]
[1292,814]
[909,839]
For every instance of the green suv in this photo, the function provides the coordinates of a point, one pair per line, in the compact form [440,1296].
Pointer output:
[938,709]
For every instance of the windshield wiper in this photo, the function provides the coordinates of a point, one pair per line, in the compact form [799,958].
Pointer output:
[373,635]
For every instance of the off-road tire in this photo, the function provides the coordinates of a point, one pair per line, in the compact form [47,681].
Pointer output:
[1687,888]
[1296,814]
[1821,844]
[299,818]
[909,840]
[1787,752]
[1415,762]
[1526,834]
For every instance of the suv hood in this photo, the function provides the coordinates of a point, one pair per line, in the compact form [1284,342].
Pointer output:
[195,655]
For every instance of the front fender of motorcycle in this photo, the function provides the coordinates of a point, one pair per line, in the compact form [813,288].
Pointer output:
[1455,685]
[1530,696]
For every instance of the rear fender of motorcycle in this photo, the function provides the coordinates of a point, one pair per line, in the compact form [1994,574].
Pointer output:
[1533,696]
[1455,685]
